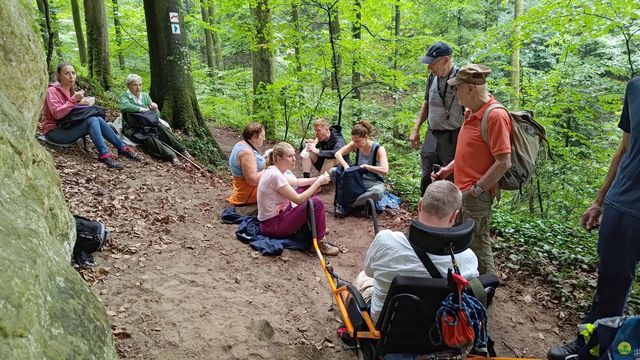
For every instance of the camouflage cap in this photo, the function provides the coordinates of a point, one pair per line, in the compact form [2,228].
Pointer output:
[471,74]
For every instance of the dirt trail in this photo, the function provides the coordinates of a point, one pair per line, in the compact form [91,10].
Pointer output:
[178,285]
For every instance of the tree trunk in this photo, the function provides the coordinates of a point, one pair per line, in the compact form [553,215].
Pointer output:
[295,18]
[118,31]
[171,83]
[55,32]
[208,37]
[77,24]
[46,31]
[396,34]
[355,74]
[263,65]
[334,32]
[217,47]
[98,42]
[515,55]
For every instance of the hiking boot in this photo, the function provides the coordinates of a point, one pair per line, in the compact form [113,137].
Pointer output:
[110,161]
[128,152]
[328,249]
[564,352]
[175,161]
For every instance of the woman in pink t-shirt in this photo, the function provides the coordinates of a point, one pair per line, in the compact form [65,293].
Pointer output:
[282,210]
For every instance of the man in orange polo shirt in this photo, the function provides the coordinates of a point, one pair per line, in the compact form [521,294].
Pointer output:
[477,166]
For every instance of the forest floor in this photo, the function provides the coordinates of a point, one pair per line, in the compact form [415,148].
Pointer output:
[177,284]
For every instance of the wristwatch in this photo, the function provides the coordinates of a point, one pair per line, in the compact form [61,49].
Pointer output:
[477,189]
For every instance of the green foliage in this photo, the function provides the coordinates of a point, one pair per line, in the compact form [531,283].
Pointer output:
[554,251]
[575,56]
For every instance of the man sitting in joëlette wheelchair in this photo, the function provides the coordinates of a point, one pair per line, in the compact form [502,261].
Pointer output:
[409,302]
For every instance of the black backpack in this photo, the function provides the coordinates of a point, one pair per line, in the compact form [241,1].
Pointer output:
[90,236]
[350,184]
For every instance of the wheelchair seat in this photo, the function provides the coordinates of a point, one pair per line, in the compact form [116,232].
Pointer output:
[407,318]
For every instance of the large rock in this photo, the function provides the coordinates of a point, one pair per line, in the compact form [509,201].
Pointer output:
[46,309]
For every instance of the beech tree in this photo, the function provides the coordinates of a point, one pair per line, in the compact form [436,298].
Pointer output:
[171,82]
[262,64]
[77,25]
[98,42]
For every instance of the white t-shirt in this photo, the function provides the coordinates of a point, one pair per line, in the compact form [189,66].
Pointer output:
[270,202]
[391,255]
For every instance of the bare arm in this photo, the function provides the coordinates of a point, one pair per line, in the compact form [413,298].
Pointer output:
[383,168]
[501,164]
[288,192]
[345,150]
[444,172]
[249,167]
[294,181]
[591,217]
[414,138]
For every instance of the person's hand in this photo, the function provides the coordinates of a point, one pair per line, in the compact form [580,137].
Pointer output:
[323,179]
[311,147]
[443,173]
[153,107]
[591,217]
[414,138]
[78,95]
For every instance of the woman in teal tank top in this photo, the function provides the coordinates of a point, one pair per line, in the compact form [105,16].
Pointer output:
[246,164]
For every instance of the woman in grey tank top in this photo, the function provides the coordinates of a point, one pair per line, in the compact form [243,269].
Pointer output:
[365,149]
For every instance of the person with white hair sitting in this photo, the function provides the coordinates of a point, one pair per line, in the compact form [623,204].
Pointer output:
[140,123]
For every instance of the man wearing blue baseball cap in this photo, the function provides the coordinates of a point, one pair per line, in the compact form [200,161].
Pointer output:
[441,109]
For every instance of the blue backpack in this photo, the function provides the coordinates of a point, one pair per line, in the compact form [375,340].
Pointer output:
[614,338]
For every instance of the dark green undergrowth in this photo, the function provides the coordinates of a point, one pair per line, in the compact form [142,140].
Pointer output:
[565,257]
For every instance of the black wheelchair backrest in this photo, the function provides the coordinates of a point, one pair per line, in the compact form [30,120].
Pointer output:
[409,311]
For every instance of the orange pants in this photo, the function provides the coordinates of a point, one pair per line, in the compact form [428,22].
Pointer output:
[243,193]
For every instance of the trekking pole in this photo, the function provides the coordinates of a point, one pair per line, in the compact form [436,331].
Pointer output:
[184,157]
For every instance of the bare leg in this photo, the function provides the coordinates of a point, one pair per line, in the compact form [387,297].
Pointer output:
[328,164]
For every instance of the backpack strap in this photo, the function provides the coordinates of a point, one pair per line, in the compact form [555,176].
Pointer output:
[429,83]
[424,258]
[478,290]
[483,125]
[374,155]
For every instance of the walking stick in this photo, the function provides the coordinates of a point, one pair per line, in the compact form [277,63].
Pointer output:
[179,153]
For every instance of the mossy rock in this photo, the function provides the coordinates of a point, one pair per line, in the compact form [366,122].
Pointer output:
[46,310]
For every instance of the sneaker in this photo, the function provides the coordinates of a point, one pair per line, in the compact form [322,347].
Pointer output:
[564,352]
[110,161]
[128,152]
[328,249]
[175,161]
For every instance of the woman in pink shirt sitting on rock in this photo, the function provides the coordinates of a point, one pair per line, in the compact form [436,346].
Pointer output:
[282,210]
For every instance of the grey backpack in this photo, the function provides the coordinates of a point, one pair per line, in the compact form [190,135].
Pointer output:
[527,136]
